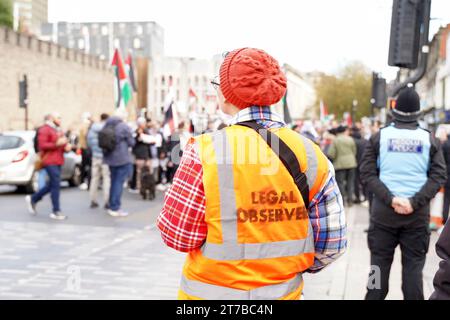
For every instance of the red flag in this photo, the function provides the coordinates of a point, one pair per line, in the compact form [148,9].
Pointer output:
[118,62]
[192,94]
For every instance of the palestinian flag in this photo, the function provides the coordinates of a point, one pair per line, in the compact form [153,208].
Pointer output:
[124,90]
[169,121]
[130,68]
[323,111]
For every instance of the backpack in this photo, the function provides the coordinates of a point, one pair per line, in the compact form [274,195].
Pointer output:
[107,138]
[36,140]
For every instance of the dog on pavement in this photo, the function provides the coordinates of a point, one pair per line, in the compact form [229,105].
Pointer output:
[148,184]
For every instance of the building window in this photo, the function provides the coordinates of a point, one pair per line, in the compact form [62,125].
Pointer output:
[163,95]
[104,30]
[137,43]
[163,81]
[170,80]
[81,44]
[116,43]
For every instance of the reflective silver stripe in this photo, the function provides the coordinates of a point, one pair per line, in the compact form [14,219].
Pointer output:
[233,251]
[214,292]
[230,249]
[311,172]
[226,187]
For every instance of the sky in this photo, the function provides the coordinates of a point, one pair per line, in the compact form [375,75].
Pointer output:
[310,35]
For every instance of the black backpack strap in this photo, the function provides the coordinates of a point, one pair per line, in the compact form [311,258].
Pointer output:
[286,155]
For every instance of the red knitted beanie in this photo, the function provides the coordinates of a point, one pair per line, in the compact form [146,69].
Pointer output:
[251,77]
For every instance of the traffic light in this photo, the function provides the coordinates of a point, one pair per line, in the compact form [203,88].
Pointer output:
[23,92]
[407,18]
[379,94]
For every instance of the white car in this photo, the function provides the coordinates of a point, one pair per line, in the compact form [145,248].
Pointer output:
[17,157]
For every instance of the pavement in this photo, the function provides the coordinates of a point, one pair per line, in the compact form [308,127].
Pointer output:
[94,256]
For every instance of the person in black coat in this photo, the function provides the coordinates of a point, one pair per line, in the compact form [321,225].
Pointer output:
[446,151]
[441,280]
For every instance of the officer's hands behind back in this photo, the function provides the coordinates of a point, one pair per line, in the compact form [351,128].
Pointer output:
[402,206]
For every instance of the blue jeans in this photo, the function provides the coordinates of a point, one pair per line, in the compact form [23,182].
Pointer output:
[119,174]
[42,178]
[52,186]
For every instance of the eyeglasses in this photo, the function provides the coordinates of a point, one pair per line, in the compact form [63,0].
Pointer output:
[215,83]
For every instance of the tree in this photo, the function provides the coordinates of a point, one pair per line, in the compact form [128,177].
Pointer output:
[6,16]
[354,81]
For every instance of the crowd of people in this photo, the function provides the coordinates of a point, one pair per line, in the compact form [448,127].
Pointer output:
[140,160]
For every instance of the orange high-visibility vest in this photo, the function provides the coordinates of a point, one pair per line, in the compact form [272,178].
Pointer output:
[259,239]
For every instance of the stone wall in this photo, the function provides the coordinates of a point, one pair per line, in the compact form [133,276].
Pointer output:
[59,79]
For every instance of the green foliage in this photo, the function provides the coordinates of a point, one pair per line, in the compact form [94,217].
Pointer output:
[354,81]
[6,15]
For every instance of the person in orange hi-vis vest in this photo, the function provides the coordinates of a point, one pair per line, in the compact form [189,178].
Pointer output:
[255,204]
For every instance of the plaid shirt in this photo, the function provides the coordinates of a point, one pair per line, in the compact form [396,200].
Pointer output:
[182,219]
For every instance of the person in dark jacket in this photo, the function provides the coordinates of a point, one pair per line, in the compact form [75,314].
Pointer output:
[141,149]
[119,161]
[361,144]
[404,167]
[51,144]
[446,151]
[441,280]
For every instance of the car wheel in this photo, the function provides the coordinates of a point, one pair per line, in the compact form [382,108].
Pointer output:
[32,186]
[75,181]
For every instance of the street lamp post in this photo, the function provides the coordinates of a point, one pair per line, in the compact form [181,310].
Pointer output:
[354,105]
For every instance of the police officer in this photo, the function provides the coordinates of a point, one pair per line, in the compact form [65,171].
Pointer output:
[403,166]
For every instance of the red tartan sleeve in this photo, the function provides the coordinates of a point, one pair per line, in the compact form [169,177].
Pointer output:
[182,219]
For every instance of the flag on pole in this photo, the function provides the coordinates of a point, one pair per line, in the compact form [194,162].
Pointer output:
[169,122]
[323,111]
[170,117]
[130,68]
[124,91]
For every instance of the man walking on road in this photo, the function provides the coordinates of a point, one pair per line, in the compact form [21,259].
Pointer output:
[255,204]
[119,161]
[404,168]
[51,145]
[99,170]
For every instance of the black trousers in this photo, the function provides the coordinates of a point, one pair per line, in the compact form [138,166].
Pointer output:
[446,204]
[345,179]
[360,190]
[414,247]
[86,163]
